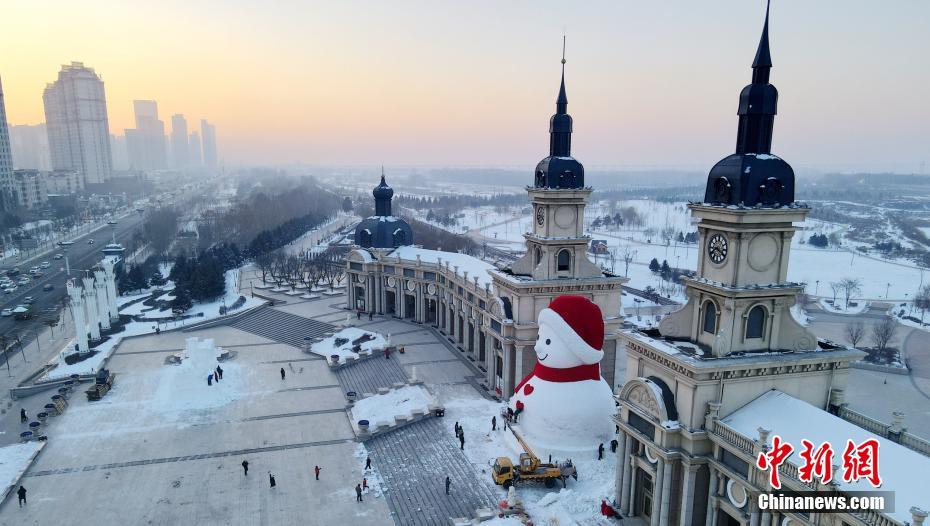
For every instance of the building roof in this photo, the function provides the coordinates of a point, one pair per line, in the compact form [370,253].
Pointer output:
[474,266]
[903,471]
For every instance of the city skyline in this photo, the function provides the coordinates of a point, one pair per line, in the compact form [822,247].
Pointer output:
[653,84]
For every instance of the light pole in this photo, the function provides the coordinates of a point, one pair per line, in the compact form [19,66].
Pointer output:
[817,287]
[888,286]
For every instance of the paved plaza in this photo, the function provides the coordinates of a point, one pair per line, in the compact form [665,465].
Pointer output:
[146,454]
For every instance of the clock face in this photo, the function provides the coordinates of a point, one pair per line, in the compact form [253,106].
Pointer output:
[717,248]
[540,216]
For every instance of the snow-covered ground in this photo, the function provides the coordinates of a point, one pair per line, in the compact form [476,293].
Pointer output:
[381,409]
[183,387]
[578,504]
[328,347]
[14,460]
[210,311]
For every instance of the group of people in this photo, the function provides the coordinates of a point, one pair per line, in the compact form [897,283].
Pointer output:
[358,315]
[363,487]
[215,375]
[271,480]
[460,433]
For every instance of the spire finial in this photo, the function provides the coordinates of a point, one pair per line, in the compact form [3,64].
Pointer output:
[763,56]
[561,104]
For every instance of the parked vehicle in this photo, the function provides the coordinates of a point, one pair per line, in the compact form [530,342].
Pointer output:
[59,256]
[24,280]
[12,272]
[6,312]
[47,287]
[45,264]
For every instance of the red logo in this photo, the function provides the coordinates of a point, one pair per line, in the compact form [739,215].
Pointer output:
[861,462]
[819,462]
[770,460]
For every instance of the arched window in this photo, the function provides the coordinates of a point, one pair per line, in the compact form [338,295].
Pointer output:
[755,322]
[538,255]
[563,260]
[710,317]
[400,238]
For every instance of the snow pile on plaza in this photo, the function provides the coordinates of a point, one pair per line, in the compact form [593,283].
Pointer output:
[183,387]
[14,460]
[375,482]
[328,347]
[578,504]
[382,408]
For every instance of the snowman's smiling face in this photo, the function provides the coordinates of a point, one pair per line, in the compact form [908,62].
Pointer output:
[552,352]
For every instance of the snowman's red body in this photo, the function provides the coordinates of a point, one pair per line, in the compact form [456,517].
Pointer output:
[566,404]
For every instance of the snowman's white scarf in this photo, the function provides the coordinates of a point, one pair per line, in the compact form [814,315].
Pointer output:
[571,374]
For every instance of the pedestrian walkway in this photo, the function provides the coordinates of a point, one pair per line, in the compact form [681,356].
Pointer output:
[281,326]
[368,375]
[417,459]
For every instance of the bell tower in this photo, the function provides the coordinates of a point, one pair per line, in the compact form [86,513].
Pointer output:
[740,300]
[557,245]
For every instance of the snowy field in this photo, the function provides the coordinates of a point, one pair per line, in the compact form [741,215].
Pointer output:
[880,278]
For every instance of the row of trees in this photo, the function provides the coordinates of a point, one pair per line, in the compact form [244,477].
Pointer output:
[881,333]
[848,287]
[327,267]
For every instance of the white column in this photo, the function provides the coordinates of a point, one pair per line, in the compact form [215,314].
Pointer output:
[518,367]
[90,304]
[667,492]
[112,294]
[657,491]
[687,492]
[103,308]
[626,489]
[712,498]
[77,313]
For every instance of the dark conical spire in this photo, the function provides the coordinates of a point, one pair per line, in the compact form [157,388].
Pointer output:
[763,61]
[758,103]
[560,125]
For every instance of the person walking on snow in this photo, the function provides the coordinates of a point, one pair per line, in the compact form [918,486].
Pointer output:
[613,445]
[371,316]
[493,423]
[367,462]
[282,373]
[358,493]
[600,451]
[216,376]
[358,315]
[21,493]
[448,483]
[22,416]
[365,485]
[271,480]
[245,467]
[462,439]
[456,429]
[219,372]
[210,379]
[316,471]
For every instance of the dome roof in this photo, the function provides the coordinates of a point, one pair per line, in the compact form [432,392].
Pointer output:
[383,191]
[383,232]
[750,179]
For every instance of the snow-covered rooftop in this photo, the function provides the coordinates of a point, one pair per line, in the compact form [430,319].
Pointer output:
[903,471]
[474,266]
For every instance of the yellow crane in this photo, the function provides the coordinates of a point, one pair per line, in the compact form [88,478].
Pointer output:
[529,469]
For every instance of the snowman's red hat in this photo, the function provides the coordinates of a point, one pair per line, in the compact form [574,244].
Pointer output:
[579,323]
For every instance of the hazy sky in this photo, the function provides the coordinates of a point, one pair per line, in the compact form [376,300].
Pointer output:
[474,83]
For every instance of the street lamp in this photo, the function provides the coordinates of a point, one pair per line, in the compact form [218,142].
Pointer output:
[817,288]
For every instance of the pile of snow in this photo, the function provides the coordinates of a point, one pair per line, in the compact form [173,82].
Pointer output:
[800,315]
[14,460]
[328,347]
[381,409]
[184,387]
[375,482]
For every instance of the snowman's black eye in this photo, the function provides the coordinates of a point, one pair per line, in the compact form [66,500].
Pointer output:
[548,341]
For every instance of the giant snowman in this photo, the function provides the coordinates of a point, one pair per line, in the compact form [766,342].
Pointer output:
[566,405]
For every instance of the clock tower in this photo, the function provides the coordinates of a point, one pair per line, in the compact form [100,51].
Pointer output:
[557,245]
[740,299]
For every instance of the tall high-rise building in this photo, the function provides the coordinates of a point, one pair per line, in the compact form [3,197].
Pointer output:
[179,140]
[30,147]
[208,134]
[77,124]
[146,143]
[196,159]
[119,152]
[6,159]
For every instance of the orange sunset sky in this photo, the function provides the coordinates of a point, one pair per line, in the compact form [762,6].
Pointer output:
[650,84]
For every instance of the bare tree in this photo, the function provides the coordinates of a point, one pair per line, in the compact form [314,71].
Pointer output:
[668,234]
[627,254]
[854,333]
[850,287]
[264,262]
[836,287]
[922,301]
[883,332]
[291,270]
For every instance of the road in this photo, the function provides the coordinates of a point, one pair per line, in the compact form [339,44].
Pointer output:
[81,256]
